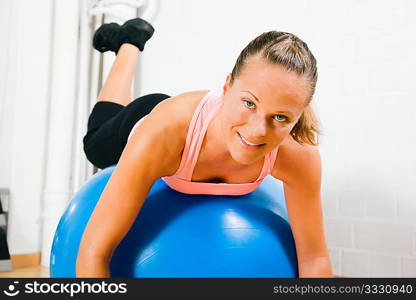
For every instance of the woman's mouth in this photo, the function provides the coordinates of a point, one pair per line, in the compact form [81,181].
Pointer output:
[249,144]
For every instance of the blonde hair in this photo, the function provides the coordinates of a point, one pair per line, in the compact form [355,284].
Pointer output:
[287,50]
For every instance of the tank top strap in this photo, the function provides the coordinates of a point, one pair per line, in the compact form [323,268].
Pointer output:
[205,121]
[195,136]
[269,160]
[272,160]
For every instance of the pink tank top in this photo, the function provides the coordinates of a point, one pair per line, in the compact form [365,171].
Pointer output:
[181,180]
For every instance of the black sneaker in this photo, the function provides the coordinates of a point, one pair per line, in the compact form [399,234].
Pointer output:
[110,37]
[139,32]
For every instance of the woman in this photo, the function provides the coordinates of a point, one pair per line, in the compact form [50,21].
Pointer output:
[206,142]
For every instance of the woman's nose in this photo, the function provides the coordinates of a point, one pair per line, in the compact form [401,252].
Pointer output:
[259,127]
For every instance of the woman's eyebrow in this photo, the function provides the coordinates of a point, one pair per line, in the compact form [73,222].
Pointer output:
[252,95]
[279,111]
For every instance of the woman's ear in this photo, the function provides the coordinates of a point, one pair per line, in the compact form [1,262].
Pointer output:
[227,83]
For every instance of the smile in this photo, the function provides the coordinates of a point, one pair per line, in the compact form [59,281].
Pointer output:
[249,144]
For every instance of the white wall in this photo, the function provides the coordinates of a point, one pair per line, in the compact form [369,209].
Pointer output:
[365,99]
[25,52]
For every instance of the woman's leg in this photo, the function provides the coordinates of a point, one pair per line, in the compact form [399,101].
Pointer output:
[103,145]
[114,114]
[126,41]
[117,87]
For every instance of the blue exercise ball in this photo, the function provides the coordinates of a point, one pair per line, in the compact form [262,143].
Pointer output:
[182,235]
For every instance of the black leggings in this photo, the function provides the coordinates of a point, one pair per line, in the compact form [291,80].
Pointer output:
[109,126]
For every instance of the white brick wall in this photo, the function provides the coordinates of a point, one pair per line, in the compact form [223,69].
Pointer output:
[351,203]
[384,237]
[335,255]
[408,267]
[339,233]
[367,104]
[384,265]
[355,263]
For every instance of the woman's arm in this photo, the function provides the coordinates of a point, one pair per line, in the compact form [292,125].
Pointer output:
[299,167]
[152,152]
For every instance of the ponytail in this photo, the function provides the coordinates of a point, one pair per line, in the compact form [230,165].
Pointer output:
[307,128]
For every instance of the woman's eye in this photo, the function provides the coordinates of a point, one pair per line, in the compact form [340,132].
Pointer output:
[248,104]
[280,118]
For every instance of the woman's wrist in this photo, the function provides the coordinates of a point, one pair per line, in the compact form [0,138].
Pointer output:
[319,267]
[92,268]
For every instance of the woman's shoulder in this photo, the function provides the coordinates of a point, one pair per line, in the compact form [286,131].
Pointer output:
[169,121]
[294,160]
[177,111]
[185,104]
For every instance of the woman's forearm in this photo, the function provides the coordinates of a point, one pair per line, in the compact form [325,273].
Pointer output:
[318,267]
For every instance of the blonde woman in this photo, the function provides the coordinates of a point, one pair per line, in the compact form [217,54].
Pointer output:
[207,142]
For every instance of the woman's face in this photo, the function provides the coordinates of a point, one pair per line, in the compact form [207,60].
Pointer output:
[260,108]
